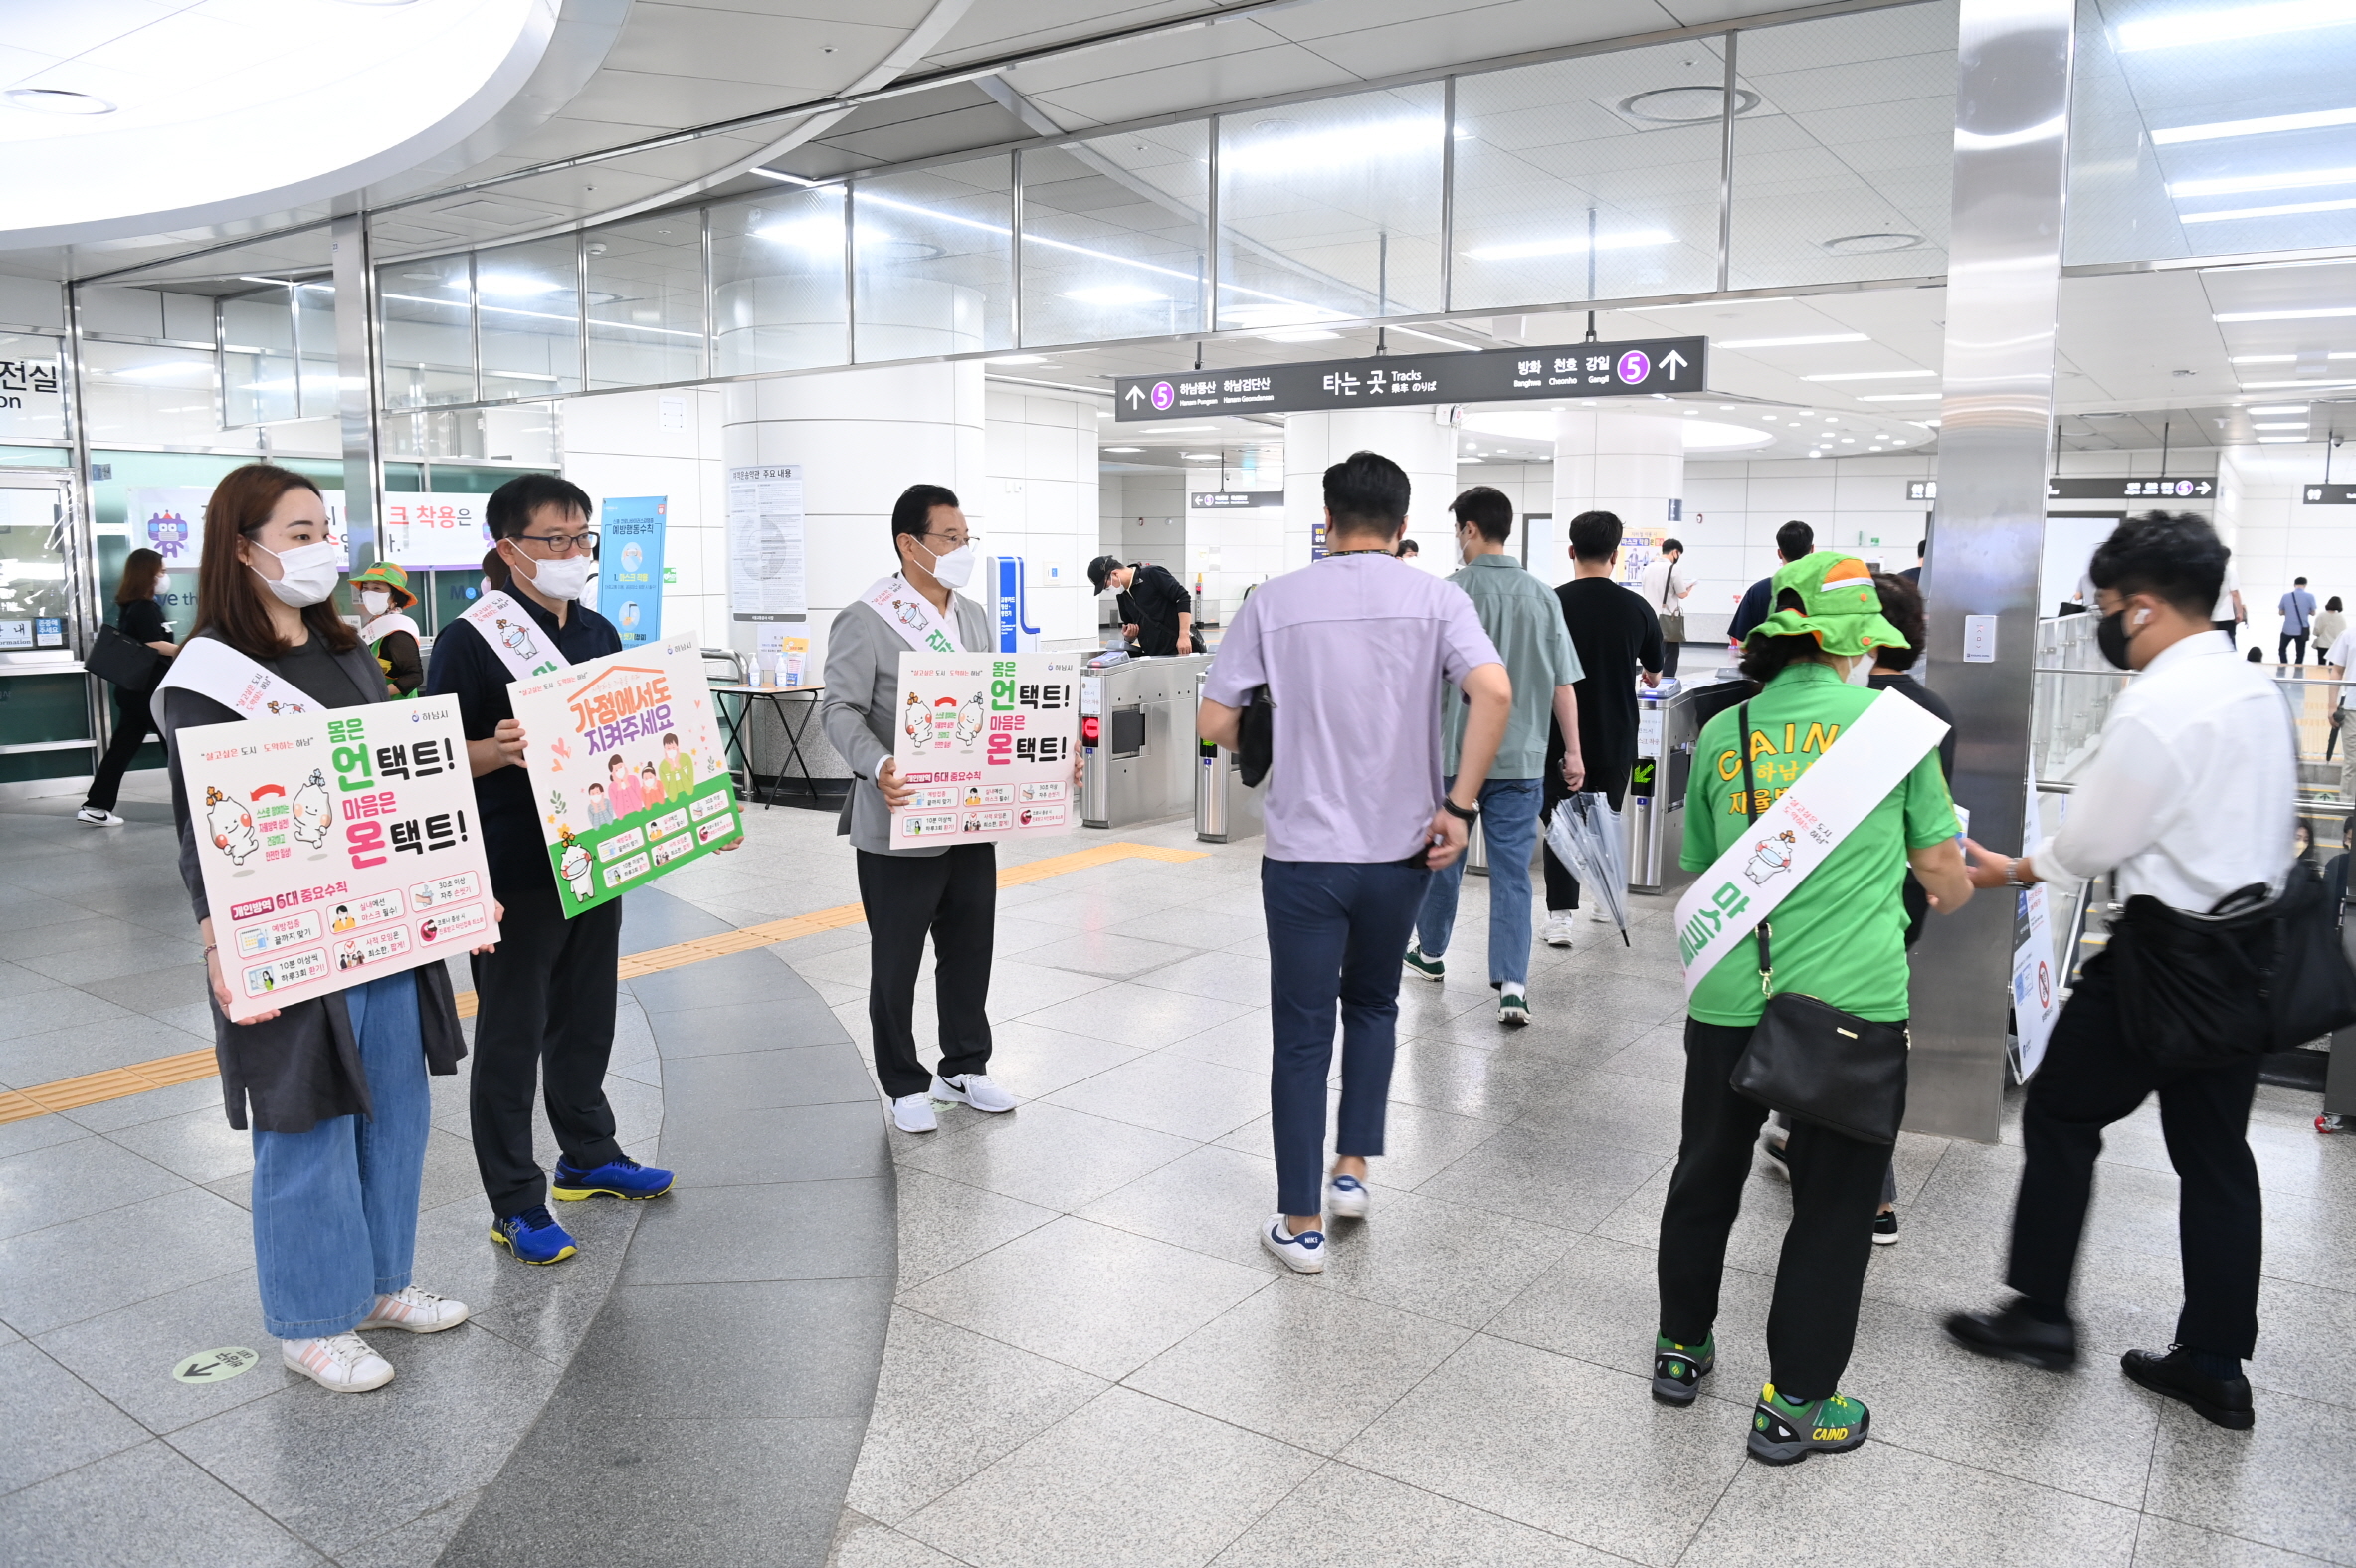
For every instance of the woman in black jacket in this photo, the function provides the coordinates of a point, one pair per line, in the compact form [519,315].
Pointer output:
[138,614]
[335,1087]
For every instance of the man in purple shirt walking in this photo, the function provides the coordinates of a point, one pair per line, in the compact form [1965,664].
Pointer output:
[1350,651]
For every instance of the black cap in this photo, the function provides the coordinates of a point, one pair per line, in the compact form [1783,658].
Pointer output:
[1101,571]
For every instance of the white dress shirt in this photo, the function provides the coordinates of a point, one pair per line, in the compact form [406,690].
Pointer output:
[1664,584]
[2191,793]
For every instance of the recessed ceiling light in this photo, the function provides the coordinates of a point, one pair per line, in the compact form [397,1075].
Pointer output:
[2219,130]
[2264,359]
[58,100]
[2268,441]
[2284,210]
[2321,313]
[1903,397]
[1791,342]
[1016,360]
[2239,22]
[1869,243]
[1200,457]
[2281,408]
[2243,184]
[1686,106]
[1124,449]
[2303,386]
[1872,375]
[2280,424]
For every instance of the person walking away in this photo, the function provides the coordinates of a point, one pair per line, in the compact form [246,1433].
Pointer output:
[1914,573]
[385,627]
[1349,649]
[1839,936]
[1792,541]
[1902,607]
[2330,622]
[2228,614]
[333,1089]
[1524,622]
[950,890]
[545,1024]
[1618,638]
[2297,609]
[1163,608]
[2339,659]
[1666,586]
[2189,799]
[138,614]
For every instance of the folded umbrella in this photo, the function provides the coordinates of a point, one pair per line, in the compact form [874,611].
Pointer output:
[1585,835]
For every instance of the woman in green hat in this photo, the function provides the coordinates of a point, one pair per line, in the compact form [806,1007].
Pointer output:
[1839,935]
[383,594]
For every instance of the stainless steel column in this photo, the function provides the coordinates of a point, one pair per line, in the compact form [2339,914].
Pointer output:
[358,385]
[2011,140]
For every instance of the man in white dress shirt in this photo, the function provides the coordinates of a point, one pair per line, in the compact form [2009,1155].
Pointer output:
[1666,585]
[2189,800]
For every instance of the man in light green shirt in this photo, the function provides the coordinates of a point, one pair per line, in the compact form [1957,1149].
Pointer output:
[1524,619]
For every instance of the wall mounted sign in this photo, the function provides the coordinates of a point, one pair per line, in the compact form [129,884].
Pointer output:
[2328,494]
[1233,500]
[1637,367]
[2130,489]
[630,573]
[767,571]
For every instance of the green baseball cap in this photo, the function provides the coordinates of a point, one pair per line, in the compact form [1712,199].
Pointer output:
[1840,606]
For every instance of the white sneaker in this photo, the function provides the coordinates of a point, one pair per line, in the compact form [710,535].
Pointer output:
[914,1113]
[1348,1198]
[975,1090]
[1600,916]
[341,1363]
[417,1311]
[1772,1158]
[1303,1254]
[1560,927]
[96,818]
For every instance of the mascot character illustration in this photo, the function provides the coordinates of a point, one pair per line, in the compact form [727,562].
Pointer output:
[230,825]
[912,718]
[573,865]
[1770,856]
[969,722]
[315,813]
[518,641]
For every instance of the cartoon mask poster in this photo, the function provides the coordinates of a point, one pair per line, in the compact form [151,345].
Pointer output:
[336,847]
[987,739]
[624,753]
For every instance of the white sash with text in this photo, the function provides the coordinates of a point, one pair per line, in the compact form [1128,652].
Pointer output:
[910,614]
[514,635]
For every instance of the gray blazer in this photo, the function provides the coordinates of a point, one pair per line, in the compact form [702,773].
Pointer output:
[861,701]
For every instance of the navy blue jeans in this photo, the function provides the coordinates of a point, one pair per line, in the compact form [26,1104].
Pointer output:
[1336,931]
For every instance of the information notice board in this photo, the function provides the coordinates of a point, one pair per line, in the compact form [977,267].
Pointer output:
[336,847]
[767,571]
[626,768]
[987,742]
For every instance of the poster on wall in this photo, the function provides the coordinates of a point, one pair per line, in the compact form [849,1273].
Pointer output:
[435,533]
[766,568]
[337,847]
[627,769]
[2037,988]
[171,520]
[987,742]
[1639,549]
[630,565]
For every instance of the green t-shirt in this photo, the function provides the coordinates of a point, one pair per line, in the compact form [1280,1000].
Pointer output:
[1840,936]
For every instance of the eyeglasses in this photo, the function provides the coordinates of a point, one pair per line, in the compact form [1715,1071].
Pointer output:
[562,543]
[956,541]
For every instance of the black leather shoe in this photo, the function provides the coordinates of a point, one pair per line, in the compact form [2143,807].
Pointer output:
[2012,1335]
[2224,1401]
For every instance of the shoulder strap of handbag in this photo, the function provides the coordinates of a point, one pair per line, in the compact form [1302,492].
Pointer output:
[212,668]
[1862,762]
[1750,798]
[511,633]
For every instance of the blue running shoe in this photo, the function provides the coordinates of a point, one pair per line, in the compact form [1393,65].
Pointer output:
[619,1177]
[533,1236]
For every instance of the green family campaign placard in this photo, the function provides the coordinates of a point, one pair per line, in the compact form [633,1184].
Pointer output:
[624,761]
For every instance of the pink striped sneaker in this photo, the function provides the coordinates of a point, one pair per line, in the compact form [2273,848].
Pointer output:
[340,1364]
[418,1311]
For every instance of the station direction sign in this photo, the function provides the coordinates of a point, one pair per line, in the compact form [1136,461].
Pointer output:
[1640,367]
[2130,489]
[2328,494]
[1234,501]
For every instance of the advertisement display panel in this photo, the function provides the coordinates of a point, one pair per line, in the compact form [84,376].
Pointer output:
[625,766]
[338,846]
[630,566]
[171,520]
[987,742]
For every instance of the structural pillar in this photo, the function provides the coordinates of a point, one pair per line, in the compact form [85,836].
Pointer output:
[2011,143]
[1409,436]
[1630,465]
[360,384]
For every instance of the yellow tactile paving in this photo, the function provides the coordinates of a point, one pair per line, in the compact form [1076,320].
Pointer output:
[115,1083]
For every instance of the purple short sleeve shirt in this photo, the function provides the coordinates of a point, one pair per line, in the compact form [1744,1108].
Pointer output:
[1351,649]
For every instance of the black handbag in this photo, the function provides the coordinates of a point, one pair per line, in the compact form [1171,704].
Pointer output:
[1810,1060]
[123,661]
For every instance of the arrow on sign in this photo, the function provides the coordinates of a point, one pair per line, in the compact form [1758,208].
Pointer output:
[2202,488]
[1673,362]
[1136,396]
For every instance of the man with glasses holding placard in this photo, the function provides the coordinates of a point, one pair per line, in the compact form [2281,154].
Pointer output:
[545,997]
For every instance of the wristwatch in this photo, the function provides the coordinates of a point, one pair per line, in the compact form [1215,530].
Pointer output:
[1461,813]
[2011,873]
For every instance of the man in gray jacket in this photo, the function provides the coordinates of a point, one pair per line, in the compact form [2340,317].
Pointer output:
[951,892]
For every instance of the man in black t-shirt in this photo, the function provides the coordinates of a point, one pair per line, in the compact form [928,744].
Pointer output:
[1164,610]
[1615,633]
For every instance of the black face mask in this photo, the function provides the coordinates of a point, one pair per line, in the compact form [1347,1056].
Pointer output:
[2110,635]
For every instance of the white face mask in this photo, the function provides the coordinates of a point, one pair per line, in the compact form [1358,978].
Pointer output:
[375,600]
[562,580]
[955,569]
[1860,672]
[308,573]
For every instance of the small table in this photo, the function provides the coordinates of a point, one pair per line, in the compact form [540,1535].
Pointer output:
[776,698]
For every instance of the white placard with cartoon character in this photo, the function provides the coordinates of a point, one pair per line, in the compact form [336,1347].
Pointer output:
[987,742]
[338,846]
[625,766]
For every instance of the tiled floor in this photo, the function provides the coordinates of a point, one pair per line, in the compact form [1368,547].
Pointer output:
[1092,1362]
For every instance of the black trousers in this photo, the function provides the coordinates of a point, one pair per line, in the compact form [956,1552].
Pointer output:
[1836,1189]
[134,723]
[1562,885]
[2283,643]
[544,1019]
[954,896]
[2092,1077]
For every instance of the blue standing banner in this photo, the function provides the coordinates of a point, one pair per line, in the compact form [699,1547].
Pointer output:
[630,565]
[1016,633]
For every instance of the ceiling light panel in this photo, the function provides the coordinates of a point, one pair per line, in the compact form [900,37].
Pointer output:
[2263,126]
[2231,23]
[1791,342]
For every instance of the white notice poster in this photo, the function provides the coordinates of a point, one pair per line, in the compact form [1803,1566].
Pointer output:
[765,563]
[987,739]
[2037,1001]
